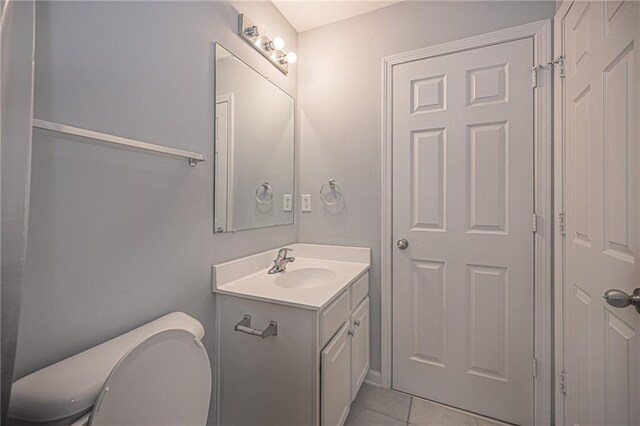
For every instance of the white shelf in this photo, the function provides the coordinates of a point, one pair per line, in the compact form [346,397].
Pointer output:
[193,157]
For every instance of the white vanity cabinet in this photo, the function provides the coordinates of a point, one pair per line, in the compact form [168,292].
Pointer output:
[292,347]
[344,365]
[344,361]
[306,374]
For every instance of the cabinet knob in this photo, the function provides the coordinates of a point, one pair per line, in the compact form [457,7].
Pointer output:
[350,332]
[356,323]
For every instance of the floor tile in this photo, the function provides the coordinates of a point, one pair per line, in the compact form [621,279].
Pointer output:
[384,401]
[360,416]
[481,421]
[425,413]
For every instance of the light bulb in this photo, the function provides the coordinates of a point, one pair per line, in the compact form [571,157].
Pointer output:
[292,58]
[278,43]
[263,30]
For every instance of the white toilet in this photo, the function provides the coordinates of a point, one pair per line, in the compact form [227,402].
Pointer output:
[157,374]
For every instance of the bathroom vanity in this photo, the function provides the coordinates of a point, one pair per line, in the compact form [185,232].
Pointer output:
[292,347]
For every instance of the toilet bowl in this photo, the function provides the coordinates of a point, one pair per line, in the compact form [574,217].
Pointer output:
[157,374]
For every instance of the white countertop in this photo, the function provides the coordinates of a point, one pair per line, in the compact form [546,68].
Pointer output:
[247,277]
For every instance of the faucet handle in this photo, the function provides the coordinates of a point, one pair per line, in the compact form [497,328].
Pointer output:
[284,251]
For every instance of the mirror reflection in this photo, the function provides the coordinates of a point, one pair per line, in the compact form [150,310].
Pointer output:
[254,143]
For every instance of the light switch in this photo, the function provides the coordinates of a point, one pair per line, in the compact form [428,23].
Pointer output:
[286,203]
[306,202]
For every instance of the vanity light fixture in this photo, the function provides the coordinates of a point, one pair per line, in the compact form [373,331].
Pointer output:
[257,36]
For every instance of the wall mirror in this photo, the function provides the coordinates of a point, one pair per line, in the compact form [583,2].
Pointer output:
[254,148]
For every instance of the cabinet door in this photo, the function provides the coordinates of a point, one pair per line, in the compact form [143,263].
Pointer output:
[336,379]
[359,346]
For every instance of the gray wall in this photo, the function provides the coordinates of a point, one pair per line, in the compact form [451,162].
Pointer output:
[119,238]
[15,122]
[340,100]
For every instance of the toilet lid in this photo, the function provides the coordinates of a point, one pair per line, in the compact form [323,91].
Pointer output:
[164,380]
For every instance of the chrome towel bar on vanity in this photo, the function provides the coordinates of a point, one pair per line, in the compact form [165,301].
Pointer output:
[244,326]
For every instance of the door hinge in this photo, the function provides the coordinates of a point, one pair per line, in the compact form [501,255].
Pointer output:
[563,382]
[559,61]
[534,223]
[562,226]
[534,366]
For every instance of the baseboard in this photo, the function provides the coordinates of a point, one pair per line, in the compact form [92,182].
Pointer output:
[373,378]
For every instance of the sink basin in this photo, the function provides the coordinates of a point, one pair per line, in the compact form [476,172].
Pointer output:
[305,278]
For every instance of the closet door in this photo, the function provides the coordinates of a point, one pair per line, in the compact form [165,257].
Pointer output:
[336,379]
[359,346]
[602,206]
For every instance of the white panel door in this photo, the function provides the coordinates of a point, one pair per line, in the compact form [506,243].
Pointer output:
[335,398]
[602,115]
[463,198]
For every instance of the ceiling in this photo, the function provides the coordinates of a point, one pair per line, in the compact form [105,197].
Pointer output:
[307,14]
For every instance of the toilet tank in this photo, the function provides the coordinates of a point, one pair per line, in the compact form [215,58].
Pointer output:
[62,392]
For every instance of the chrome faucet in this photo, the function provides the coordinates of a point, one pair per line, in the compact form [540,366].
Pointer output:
[280,264]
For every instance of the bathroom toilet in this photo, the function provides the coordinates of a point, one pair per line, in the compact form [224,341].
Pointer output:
[157,374]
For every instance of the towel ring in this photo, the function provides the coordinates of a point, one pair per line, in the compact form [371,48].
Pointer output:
[333,187]
[266,189]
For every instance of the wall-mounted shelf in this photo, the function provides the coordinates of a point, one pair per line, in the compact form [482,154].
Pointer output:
[193,157]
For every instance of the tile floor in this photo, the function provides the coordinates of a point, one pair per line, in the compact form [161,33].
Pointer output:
[383,407]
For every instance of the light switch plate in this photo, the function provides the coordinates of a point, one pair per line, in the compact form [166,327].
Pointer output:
[286,203]
[306,202]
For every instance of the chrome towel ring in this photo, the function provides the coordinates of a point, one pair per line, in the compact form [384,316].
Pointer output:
[267,191]
[335,189]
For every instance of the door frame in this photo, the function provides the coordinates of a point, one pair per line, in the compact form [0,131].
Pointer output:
[542,364]
[559,208]
[229,99]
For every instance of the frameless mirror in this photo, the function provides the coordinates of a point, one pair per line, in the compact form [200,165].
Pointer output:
[254,142]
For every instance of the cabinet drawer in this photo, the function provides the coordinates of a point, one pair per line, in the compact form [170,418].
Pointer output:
[359,290]
[332,318]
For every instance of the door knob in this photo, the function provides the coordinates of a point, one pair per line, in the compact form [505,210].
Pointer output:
[620,299]
[403,244]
